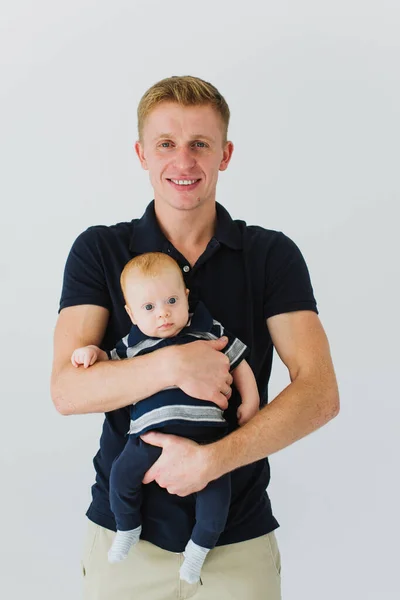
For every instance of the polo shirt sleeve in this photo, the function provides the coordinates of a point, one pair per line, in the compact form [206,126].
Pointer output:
[84,280]
[288,285]
[235,349]
[120,350]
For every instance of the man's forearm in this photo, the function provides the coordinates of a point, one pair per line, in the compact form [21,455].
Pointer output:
[112,384]
[297,411]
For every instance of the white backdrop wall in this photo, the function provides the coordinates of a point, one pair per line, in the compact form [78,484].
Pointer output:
[314,93]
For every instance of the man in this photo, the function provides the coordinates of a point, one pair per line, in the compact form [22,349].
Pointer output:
[253,280]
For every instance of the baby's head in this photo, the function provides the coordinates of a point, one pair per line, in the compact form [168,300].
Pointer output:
[155,294]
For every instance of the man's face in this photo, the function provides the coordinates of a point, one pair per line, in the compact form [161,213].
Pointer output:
[183,144]
[157,305]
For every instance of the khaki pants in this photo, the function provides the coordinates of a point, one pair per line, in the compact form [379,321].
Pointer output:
[247,570]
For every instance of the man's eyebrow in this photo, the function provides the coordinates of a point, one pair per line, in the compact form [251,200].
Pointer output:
[195,136]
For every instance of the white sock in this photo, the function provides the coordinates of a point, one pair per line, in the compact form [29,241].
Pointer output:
[194,559]
[122,543]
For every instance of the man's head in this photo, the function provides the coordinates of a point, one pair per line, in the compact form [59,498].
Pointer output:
[155,294]
[182,126]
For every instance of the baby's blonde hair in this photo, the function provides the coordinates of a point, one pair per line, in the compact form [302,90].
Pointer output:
[149,264]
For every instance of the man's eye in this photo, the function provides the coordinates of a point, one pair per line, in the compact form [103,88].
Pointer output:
[164,144]
[148,306]
[171,300]
[203,146]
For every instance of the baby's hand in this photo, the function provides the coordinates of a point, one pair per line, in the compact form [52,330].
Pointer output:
[246,412]
[85,356]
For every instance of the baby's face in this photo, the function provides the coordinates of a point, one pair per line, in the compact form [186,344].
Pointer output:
[158,305]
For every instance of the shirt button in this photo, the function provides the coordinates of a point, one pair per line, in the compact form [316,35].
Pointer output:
[186,268]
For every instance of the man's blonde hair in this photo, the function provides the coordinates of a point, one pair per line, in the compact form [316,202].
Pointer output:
[185,90]
[149,264]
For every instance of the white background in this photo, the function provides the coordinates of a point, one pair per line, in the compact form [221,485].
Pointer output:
[314,94]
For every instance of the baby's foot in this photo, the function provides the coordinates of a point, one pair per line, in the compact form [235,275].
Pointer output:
[194,559]
[122,543]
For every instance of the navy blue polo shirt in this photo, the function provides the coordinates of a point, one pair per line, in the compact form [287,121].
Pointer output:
[245,275]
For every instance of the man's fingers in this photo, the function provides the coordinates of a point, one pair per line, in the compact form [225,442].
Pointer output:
[150,475]
[227,392]
[226,395]
[219,343]
[155,438]
[220,400]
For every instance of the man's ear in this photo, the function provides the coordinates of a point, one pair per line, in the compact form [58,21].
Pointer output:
[187,292]
[227,155]
[140,152]
[130,313]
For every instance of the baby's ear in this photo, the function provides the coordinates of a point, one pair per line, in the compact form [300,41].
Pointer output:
[128,310]
[187,292]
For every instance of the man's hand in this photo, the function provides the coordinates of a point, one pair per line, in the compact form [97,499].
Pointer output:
[202,371]
[183,467]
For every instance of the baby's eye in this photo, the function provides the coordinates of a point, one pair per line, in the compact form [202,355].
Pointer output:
[148,306]
[171,300]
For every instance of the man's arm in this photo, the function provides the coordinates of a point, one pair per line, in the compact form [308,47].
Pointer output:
[114,384]
[106,385]
[307,403]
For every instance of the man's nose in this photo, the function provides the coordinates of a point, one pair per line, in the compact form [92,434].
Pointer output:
[184,158]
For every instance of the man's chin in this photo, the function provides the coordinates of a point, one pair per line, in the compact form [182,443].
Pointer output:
[185,204]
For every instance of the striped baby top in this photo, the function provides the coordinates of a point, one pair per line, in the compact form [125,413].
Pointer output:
[172,406]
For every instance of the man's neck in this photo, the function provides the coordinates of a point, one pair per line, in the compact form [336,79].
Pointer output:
[187,230]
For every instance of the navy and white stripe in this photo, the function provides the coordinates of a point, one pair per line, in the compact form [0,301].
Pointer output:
[177,413]
[172,405]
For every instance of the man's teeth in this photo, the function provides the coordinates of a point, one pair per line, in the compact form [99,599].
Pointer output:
[184,181]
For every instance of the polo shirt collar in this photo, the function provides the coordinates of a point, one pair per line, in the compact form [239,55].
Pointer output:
[200,320]
[147,236]
[136,336]
[227,231]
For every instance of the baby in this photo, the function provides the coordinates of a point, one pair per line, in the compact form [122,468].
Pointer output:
[157,303]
